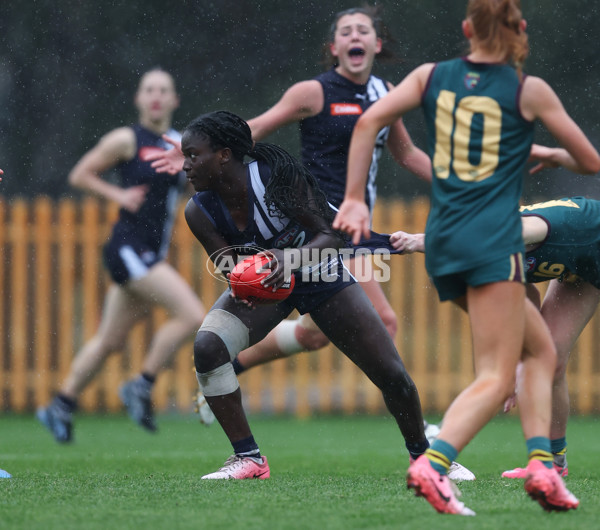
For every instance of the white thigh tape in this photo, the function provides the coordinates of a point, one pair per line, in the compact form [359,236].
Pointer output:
[229,328]
[218,382]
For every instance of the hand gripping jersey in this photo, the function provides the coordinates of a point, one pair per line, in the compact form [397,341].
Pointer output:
[571,249]
[152,224]
[479,144]
[326,137]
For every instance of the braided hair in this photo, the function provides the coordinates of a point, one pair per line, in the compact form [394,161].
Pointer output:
[291,190]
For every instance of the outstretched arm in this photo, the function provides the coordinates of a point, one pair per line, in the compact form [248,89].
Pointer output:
[408,243]
[353,216]
[300,101]
[539,101]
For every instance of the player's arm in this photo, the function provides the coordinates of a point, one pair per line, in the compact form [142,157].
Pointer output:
[539,101]
[353,216]
[300,101]
[406,153]
[213,243]
[408,243]
[535,229]
[113,148]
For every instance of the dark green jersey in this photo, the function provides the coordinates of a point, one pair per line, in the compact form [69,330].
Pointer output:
[479,144]
[572,246]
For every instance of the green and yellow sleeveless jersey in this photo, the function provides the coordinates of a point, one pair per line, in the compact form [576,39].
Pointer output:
[479,144]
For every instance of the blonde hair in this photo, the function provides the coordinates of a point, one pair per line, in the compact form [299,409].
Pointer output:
[497,28]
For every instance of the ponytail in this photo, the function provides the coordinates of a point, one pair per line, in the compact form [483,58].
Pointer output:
[497,28]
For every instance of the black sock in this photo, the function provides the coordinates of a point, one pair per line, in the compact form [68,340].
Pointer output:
[148,377]
[237,366]
[246,447]
[416,449]
[68,405]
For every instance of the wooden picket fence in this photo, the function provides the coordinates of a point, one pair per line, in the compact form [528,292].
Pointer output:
[52,289]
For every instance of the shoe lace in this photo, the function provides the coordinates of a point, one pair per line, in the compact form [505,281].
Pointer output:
[233,462]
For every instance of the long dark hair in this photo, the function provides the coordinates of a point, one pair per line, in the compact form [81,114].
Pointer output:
[291,190]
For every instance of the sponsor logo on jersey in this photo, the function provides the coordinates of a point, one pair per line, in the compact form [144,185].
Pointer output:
[345,109]
[471,80]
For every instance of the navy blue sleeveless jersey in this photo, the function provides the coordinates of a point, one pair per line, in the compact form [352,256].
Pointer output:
[140,240]
[571,249]
[152,224]
[325,138]
[267,230]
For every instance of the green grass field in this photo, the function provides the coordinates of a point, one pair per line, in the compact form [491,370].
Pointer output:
[327,473]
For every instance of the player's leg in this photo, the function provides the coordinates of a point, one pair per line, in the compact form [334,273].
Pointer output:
[121,311]
[286,339]
[163,286]
[567,308]
[294,336]
[229,328]
[351,323]
[362,268]
[496,312]
[497,332]
[534,396]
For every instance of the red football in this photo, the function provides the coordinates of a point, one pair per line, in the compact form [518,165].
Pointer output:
[245,282]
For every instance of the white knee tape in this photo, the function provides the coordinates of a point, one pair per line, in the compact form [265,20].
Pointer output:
[285,337]
[218,382]
[229,328]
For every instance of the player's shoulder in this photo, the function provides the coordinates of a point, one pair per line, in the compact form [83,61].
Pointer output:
[119,143]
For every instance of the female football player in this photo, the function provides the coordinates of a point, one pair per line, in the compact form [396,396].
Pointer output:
[327,108]
[274,204]
[562,242]
[480,111]
[134,256]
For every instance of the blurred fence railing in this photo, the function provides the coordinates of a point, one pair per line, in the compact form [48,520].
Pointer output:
[52,289]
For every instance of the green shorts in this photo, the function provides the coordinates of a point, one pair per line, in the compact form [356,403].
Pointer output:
[452,286]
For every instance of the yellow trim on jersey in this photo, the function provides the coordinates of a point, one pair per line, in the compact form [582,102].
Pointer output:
[549,204]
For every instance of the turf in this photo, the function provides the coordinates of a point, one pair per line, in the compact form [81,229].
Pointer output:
[327,472]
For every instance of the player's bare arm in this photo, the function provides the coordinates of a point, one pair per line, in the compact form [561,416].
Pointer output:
[113,148]
[300,101]
[538,100]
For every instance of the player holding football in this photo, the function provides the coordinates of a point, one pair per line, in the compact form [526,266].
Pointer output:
[479,112]
[327,107]
[562,241]
[274,203]
[134,256]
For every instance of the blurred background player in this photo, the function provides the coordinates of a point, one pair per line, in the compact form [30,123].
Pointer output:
[562,241]
[479,112]
[134,256]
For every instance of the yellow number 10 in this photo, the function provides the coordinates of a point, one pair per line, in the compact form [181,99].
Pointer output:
[449,117]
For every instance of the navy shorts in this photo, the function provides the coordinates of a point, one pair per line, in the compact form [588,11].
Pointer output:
[128,259]
[308,295]
[452,286]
